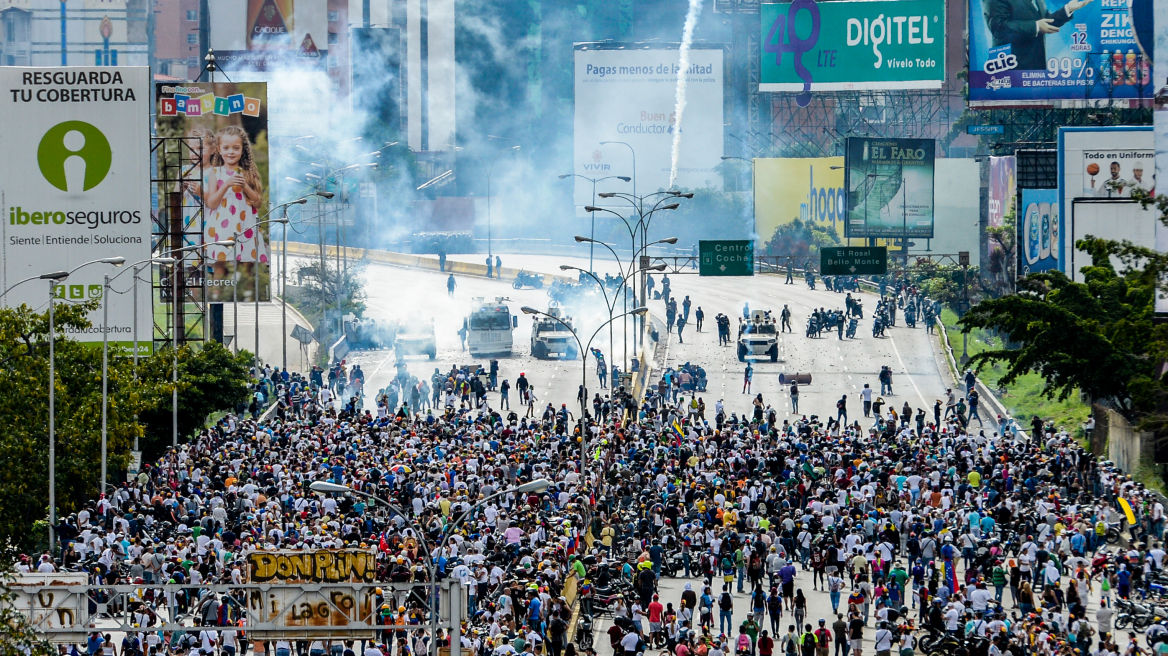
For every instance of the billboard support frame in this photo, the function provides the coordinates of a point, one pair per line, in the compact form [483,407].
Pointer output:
[177,224]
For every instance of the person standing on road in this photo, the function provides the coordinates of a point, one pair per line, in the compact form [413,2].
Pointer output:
[489,267]
[685,306]
[504,390]
[885,380]
[699,315]
[450,285]
[974,402]
[790,271]
[498,267]
[794,397]
[747,376]
[841,407]
[680,326]
[786,317]
[840,629]
[866,397]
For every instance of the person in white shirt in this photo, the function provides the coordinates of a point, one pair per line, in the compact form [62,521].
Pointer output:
[883,640]
[207,641]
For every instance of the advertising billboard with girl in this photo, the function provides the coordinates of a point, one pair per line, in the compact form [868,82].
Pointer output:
[225,183]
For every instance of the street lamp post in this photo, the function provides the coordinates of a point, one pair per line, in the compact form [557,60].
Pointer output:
[636,253]
[54,278]
[643,220]
[634,176]
[283,220]
[325,487]
[105,356]
[622,288]
[641,311]
[592,232]
[174,301]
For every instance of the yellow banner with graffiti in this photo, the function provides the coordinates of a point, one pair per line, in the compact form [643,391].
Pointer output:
[321,566]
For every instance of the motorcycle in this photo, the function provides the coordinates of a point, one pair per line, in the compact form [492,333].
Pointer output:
[584,631]
[528,279]
[851,330]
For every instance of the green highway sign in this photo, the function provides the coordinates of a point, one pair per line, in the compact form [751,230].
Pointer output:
[726,258]
[859,261]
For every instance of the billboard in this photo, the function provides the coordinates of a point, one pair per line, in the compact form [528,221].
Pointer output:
[812,46]
[629,96]
[1117,219]
[810,189]
[75,187]
[1103,162]
[1002,192]
[269,35]
[232,122]
[889,186]
[1022,52]
[1040,227]
[1160,117]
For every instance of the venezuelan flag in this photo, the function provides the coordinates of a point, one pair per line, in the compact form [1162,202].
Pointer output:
[677,433]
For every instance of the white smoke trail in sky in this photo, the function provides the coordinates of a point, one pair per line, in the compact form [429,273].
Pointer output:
[691,19]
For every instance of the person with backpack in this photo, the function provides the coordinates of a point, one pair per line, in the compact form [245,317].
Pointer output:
[822,638]
[744,646]
[725,610]
[706,606]
[758,605]
[807,642]
[789,642]
[775,609]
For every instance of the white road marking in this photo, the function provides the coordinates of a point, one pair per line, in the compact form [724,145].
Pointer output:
[906,374]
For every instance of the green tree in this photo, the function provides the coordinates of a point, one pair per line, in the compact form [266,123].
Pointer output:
[1096,336]
[210,379]
[802,240]
[343,283]
[947,283]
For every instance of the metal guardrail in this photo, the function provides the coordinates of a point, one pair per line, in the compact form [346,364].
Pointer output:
[65,612]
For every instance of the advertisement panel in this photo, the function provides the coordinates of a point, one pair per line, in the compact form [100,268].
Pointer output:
[269,35]
[845,46]
[1160,117]
[1022,52]
[1118,219]
[889,186]
[1103,162]
[804,188]
[232,122]
[75,187]
[1002,192]
[629,96]
[1039,229]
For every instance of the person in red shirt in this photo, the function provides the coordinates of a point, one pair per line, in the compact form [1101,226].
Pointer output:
[822,639]
[766,644]
[656,632]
